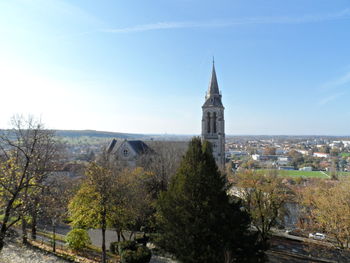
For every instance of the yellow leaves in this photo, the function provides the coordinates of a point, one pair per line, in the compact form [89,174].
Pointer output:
[264,196]
[329,205]
[10,176]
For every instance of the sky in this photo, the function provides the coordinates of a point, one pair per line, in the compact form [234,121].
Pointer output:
[138,66]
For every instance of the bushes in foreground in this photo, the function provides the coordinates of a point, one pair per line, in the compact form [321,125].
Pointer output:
[78,239]
[131,252]
[141,255]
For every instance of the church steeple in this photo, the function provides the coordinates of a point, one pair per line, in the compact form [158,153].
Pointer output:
[213,123]
[213,84]
[213,96]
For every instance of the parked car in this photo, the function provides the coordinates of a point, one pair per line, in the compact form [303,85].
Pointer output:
[318,236]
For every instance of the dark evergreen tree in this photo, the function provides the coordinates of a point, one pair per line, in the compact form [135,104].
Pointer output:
[197,219]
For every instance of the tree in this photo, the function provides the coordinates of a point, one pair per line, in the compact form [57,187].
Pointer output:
[25,157]
[54,199]
[297,158]
[134,208]
[264,197]
[95,200]
[270,151]
[327,206]
[197,220]
[78,239]
[250,164]
[12,184]
[162,164]
[325,149]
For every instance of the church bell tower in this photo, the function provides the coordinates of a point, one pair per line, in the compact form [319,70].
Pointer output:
[213,123]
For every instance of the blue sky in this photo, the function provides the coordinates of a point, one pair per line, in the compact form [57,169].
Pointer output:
[144,66]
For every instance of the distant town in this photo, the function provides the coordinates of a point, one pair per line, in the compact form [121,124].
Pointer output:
[308,156]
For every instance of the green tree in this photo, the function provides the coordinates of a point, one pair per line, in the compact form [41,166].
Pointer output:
[95,201]
[134,207]
[297,158]
[197,220]
[78,239]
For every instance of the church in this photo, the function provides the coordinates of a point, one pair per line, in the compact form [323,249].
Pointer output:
[213,123]
[213,130]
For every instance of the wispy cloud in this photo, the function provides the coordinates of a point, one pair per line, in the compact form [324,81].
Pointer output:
[342,80]
[311,18]
[330,98]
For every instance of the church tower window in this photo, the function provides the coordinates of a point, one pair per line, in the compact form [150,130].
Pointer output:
[214,122]
[208,122]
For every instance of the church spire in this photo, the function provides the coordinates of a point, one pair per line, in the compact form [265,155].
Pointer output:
[213,85]
[213,123]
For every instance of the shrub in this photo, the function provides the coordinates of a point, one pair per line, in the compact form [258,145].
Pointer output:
[128,256]
[78,239]
[126,245]
[141,255]
[142,240]
[113,247]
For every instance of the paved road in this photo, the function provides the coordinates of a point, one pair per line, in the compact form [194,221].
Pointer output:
[95,234]
[285,247]
[111,236]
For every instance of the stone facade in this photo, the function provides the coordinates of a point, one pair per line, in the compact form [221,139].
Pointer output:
[213,122]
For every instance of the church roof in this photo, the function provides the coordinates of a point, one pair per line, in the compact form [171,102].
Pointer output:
[213,84]
[213,97]
[111,145]
[139,147]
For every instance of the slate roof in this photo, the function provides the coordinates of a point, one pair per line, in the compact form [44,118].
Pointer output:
[111,145]
[213,98]
[137,145]
[213,88]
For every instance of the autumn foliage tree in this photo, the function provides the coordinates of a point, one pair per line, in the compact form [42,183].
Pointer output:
[94,201]
[25,155]
[134,207]
[264,197]
[327,208]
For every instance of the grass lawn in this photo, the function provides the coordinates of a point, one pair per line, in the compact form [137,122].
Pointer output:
[340,173]
[297,173]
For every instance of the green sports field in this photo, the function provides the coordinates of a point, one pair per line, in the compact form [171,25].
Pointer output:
[297,173]
[340,173]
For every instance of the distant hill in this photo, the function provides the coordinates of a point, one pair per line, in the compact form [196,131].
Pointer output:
[98,134]
[130,136]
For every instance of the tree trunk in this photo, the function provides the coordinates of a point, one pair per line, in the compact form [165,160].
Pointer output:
[24,231]
[34,221]
[54,237]
[118,235]
[4,222]
[131,233]
[104,259]
[2,237]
